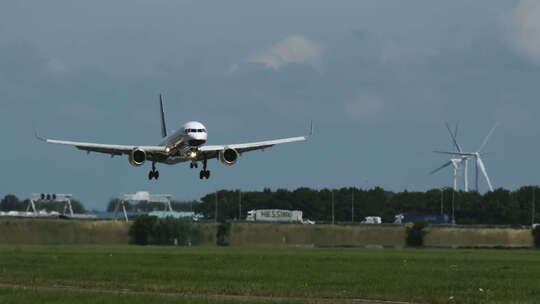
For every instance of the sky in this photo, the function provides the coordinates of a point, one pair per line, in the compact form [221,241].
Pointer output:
[379,78]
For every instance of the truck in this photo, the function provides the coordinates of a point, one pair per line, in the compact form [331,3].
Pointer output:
[413,218]
[276,215]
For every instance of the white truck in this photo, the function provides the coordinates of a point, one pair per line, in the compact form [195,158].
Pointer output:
[276,215]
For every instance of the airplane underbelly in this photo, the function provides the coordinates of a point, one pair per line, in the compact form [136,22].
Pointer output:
[174,160]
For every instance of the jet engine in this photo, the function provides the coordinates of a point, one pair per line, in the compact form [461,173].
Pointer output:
[228,156]
[137,157]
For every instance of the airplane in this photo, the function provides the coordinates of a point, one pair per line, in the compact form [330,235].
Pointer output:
[185,145]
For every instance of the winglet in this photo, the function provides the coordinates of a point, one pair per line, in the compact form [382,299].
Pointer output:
[310,129]
[162,112]
[39,137]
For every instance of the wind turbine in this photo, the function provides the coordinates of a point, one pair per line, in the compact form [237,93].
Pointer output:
[476,156]
[455,162]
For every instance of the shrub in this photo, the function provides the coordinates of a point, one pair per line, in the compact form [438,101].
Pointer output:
[141,230]
[416,233]
[536,236]
[150,230]
[223,234]
[171,231]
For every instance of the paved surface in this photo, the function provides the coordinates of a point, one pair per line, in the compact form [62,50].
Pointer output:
[208,296]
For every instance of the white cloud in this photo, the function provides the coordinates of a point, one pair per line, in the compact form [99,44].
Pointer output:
[294,49]
[526,28]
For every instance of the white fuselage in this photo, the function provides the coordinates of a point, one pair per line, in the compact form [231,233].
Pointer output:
[185,141]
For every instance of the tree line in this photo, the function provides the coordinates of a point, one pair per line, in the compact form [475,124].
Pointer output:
[500,207]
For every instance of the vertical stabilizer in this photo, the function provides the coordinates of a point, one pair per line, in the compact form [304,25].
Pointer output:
[162,112]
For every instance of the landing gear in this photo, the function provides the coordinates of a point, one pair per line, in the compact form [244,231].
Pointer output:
[153,174]
[193,165]
[204,173]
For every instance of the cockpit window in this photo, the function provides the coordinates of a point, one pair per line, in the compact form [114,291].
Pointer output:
[194,131]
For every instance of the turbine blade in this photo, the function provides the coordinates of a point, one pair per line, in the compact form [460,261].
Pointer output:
[458,148]
[455,153]
[441,167]
[487,138]
[484,172]
[446,152]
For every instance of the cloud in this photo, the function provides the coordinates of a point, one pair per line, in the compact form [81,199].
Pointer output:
[525,25]
[293,49]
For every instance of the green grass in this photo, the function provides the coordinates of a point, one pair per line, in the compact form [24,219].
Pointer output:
[425,276]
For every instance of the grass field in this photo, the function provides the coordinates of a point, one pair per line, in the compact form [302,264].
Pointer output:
[423,276]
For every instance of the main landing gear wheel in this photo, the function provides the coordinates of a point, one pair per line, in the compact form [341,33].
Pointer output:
[193,165]
[153,174]
[204,174]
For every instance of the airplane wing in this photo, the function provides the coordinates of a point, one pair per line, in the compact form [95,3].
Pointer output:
[212,151]
[104,148]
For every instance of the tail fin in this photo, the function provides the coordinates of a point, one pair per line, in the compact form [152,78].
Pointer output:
[163,127]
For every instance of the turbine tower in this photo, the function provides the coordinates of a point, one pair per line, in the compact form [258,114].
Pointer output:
[476,156]
[456,162]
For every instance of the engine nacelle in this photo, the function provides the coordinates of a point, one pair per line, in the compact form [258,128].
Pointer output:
[228,156]
[137,157]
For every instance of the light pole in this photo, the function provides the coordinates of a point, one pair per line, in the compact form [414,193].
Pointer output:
[333,207]
[352,205]
[533,206]
[442,201]
[239,204]
[216,208]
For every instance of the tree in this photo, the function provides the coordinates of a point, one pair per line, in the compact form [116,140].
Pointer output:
[10,203]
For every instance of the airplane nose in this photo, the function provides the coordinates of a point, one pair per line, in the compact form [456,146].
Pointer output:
[197,139]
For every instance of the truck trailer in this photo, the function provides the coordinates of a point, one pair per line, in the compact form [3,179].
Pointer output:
[275,215]
[413,218]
